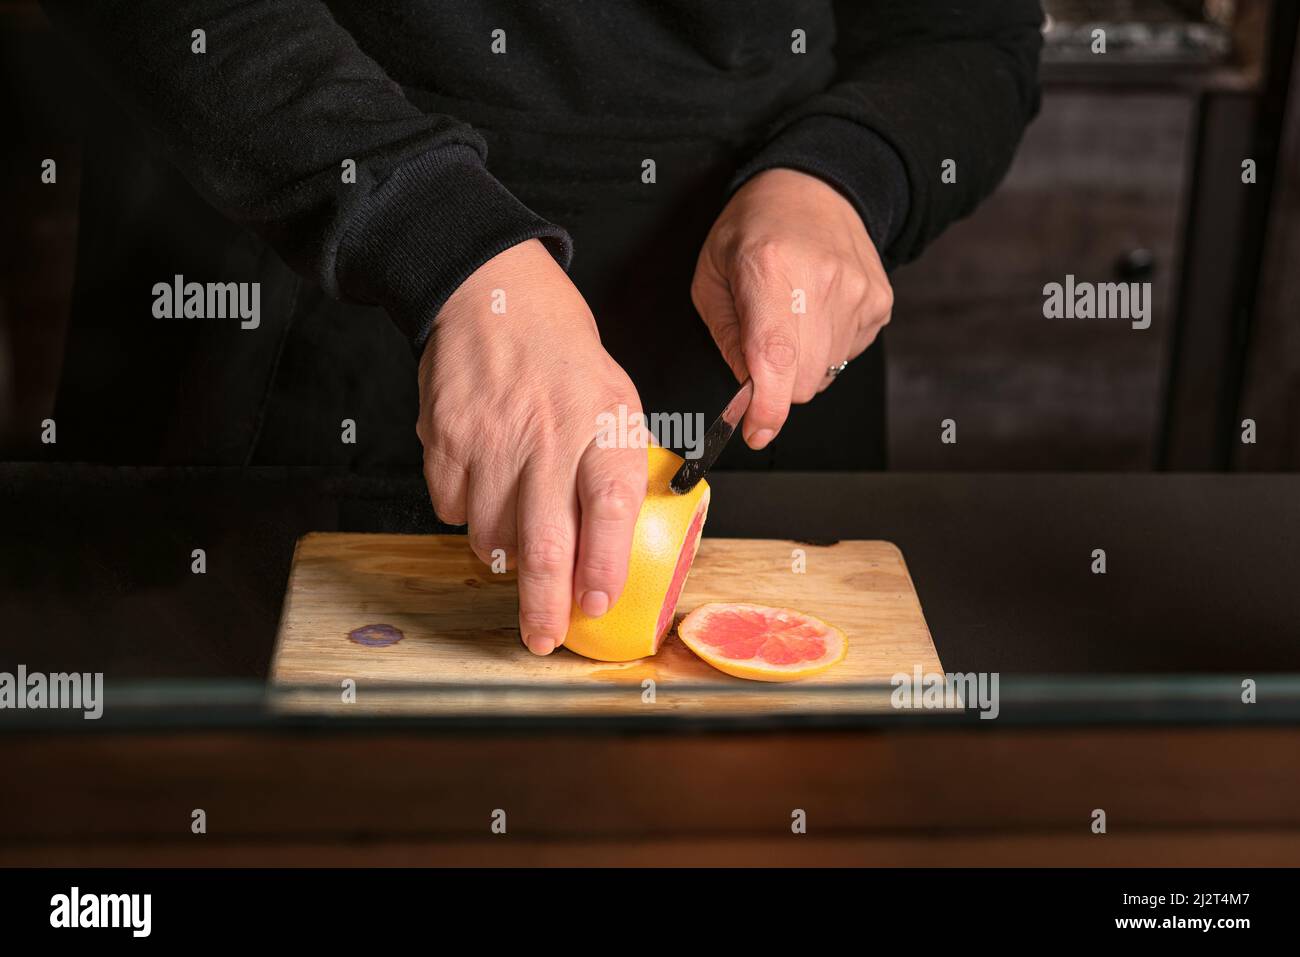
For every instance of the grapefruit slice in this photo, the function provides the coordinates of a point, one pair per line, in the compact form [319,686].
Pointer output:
[664,544]
[762,643]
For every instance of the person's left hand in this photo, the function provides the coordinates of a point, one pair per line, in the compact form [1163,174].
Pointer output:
[787,241]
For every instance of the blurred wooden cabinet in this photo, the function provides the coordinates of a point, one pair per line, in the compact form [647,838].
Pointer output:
[1096,191]
[1132,171]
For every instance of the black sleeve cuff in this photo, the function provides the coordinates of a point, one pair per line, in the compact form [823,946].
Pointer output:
[848,156]
[432,223]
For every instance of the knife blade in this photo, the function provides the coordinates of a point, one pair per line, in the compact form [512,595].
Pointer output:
[715,440]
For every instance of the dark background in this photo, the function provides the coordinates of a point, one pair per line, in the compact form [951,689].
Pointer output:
[1132,171]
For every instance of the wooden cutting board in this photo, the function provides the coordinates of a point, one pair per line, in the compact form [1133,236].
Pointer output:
[419,624]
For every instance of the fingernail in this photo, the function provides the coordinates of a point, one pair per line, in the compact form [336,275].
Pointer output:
[540,645]
[761,438]
[595,603]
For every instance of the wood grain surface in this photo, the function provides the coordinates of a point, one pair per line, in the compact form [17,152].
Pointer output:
[989,794]
[460,651]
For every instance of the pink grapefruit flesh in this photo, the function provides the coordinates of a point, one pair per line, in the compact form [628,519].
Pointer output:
[684,560]
[762,643]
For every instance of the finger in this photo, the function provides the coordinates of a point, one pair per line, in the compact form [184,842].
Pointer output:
[872,319]
[491,502]
[712,298]
[770,342]
[817,343]
[611,487]
[842,346]
[447,481]
[548,532]
[875,308]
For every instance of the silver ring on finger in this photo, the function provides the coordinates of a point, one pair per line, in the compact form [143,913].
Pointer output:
[833,371]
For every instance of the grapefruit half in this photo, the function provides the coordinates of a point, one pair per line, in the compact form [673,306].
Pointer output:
[664,544]
[762,643]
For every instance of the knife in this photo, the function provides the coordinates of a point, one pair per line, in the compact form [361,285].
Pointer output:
[715,440]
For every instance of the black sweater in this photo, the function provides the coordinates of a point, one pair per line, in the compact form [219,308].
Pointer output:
[287,90]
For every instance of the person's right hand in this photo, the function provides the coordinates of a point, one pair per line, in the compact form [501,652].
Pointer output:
[509,411]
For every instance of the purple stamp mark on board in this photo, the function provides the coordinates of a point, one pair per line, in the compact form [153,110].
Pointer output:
[376,636]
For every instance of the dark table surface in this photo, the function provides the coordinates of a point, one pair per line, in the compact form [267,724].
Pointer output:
[1203,571]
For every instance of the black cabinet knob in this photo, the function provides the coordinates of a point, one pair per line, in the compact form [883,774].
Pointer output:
[1136,265]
